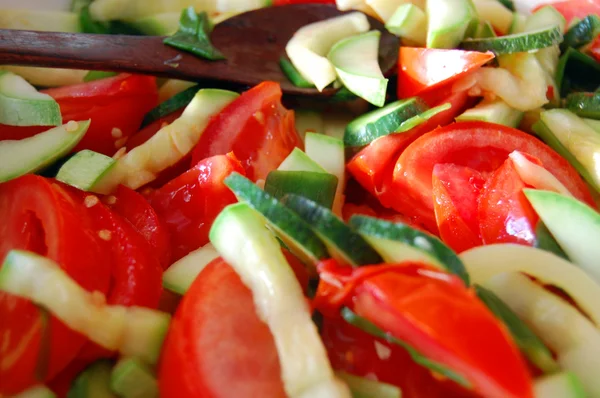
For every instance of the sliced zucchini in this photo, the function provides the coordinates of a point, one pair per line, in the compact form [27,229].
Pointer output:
[181,274]
[559,385]
[496,111]
[41,20]
[516,43]
[290,228]
[132,10]
[545,241]
[176,102]
[297,160]
[449,22]
[36,392]
[398,242]
[131,378]
[361,387]
[584,104]
[389,119]
[316,186]
[93,382]
[409,23]
[84,169]
[577,71]
[582,33]
[545,17]
[494,12]
[293,75]
[164,24]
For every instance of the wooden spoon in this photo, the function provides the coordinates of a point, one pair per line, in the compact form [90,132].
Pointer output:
[252,42]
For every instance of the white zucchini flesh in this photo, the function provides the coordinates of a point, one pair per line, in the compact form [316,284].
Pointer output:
[537,176]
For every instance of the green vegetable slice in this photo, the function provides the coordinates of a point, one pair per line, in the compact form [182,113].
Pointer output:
[178,101]
[515,43]
[584,104]
[582,33]
[577,71]
[293,75]
[193,35]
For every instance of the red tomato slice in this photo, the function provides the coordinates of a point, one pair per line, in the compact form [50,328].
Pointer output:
[374,164]
[356,352]
[38,215]
[147,132]
[455,194]
[412,302]
[115,105]
[256,127]
[595,49]
[217,347]
[189,203]
[135,208]
[574,8]
[505,214]
[20,132]
[481,146]
[424,69]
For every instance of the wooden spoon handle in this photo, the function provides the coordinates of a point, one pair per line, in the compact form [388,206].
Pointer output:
[118,53]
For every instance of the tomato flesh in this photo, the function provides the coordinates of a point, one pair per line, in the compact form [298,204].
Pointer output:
[256,127]
[217,347]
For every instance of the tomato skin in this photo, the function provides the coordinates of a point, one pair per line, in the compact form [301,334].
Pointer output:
[481,146]
[455,197]
[595,49]
[38,215]
[423,70]
[120,101]
[134,208]
[505,214]
[188,204]
[411,301]
[256,127]
[574,8]
[197,354]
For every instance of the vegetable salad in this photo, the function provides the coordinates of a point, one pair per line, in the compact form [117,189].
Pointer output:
[430,230]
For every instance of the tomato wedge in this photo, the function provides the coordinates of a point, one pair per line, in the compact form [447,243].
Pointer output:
[115,105]
[423,70]
[217,347]
[505,214]
[412,302]
[189,203]
[256,127]
[481,146]
[38,215]
[455,196]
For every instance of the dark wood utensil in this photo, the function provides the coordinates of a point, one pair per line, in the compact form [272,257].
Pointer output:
[252,42]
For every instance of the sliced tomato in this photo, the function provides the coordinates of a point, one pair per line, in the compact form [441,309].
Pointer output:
[189,203]
[374,164]
[573,8]
[455,196]
[412,302]
[256,127]
[356,352]
[20,132]
[595,48]
[115,105]
[481,146]
[422,70]
[217,347]
[37,215]
[133,207]
[148,132]
[505,214]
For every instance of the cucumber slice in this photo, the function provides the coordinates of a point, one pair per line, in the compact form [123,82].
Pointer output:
[545,17]
[42,20]
[132,378]
[165,24]
[176,102]
[518,24]
[170,144]
[574,225]
[584,104]
[449,22]
[308,120]
[389,119]
[485,30]
[577,71]
[319,187]
[97,75]
[93,382]
[545,241]
[559,385]
[361,387]
[308,48]
[409,23]
[329,153]
[495,111]
[355,62]
[134,331]
[77,5]
[22,105]
[290,71]
[171,88]
[36,392]
[573,139]
[492,11]
[582,33]
[84,169]
[47,77]
[594,124]
[239,6]
[344,244]
[508,4]
[132,10]
[31,154]
[181,274]
[240,235]
[370,328]
[290,228]
[515,43]
[300,161]
[533,348]
[398,242]
[384,8]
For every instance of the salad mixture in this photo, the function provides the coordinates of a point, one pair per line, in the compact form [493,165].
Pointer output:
[428,232]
